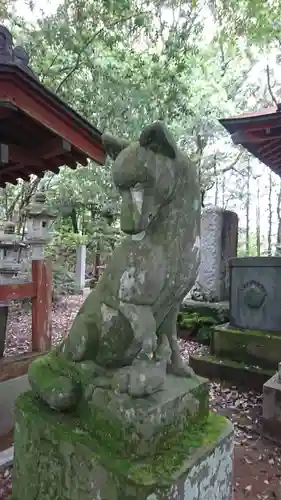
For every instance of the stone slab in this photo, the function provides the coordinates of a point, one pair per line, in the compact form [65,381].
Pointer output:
[271,408]
[218,310]
[255,293]
[254,348]
[227,370]
[62,461]
[140,421]
[9,392]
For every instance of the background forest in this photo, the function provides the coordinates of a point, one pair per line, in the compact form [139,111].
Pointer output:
[125,63]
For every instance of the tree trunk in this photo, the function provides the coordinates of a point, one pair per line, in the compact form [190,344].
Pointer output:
[269,234]
[74,221]
[258,221]
[216,185]
[223,191]
[278,240]
[248,200]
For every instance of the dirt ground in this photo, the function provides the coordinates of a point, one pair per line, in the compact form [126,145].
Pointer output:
[257,460]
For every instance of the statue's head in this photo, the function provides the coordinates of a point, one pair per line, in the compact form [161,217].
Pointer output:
[144,173]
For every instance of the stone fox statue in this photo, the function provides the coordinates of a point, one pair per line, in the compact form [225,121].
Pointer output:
[127,325]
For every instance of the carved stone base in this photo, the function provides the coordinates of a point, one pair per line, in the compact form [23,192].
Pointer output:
[62,461]
[141,422]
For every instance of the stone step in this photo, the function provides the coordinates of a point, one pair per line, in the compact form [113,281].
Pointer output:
[226,370]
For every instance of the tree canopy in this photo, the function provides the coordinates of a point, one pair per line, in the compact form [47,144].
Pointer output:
[124,64]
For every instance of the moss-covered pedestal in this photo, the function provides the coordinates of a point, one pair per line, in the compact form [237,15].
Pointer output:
[197,319]
[244,357]
[167,446]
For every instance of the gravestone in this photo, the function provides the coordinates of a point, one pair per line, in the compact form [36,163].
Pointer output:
[114,412]
[207,303]
[219,237]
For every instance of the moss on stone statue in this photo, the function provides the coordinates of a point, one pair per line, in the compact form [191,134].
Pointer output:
[41,433]
[138,429]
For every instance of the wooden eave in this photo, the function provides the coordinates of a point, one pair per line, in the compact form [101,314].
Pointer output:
[38,131]
[260,134]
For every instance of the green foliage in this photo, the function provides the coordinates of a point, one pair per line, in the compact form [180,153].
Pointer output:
[124,64]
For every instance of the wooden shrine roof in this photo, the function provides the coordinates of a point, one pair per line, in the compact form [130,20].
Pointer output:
[260,134]
[38,131]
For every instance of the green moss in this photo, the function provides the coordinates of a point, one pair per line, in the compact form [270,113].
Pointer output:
[172,450]
[252,333]
[188,320]
[251,347]
[178,448]
[200,325]
[219,312]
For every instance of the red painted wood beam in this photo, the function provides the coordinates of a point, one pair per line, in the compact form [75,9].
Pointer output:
[55,147]
[41,108]
[270,146]
[254,124]
[16,366]
[17,291]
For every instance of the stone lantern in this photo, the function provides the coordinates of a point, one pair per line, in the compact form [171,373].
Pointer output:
[10,249]
[39,219]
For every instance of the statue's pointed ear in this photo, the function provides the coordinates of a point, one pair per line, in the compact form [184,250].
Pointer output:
[112,145]
[158,138]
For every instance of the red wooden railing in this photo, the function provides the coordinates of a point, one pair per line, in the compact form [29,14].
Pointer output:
[39,289]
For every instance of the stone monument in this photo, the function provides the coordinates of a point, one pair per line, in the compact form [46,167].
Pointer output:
[114,412]
[249,345]
[207,303]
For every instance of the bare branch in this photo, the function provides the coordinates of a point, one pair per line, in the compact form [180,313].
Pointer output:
[232,165]
[89,42]
[270,87]
[279,204]
[43,76]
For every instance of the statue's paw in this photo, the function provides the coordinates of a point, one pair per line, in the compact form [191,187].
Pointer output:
[89,369]
[62,394]
[149,346]
[180,368]
[51,379]
[145,378]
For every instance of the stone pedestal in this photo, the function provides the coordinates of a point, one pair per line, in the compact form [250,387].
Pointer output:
[163,447]
[243,357]
[9,392]
[253,348]
[271,408]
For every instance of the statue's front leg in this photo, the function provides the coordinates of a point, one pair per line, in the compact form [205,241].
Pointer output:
[144,375]
[143,326]
[169,328]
